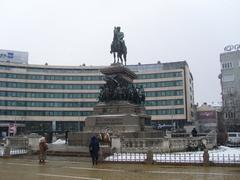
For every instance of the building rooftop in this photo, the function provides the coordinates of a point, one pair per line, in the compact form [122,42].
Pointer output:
[207,107]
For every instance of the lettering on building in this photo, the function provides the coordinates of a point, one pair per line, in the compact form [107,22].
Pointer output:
[235,47]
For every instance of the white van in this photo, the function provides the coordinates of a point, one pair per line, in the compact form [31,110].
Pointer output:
[234,137]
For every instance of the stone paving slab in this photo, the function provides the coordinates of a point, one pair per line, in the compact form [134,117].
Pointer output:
[57,169]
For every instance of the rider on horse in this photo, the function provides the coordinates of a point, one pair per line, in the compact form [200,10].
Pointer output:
[118,45]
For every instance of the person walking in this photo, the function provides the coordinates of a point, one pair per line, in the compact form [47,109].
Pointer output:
[93,149]
[194,132]
[43,147]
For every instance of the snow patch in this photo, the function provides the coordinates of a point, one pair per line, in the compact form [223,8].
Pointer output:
[59,141]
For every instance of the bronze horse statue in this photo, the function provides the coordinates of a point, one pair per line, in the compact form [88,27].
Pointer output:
[118,46]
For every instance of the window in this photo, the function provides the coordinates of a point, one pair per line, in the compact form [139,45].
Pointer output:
[228,90]
[232,135]
[229,115]
[2,75]
[160,75]
[227,77]
[227,65]
[2,93]
[179,111]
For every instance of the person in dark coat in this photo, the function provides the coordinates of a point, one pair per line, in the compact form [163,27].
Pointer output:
[93,149]
[194,132]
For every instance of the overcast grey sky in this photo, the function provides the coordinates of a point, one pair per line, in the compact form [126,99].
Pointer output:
[73,32]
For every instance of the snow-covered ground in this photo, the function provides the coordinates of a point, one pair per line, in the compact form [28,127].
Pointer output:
[222,154]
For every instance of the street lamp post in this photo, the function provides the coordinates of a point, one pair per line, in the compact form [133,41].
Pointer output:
[172,111]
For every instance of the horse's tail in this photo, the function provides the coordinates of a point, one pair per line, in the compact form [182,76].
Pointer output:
[112,48]
[125,57]
[125,49]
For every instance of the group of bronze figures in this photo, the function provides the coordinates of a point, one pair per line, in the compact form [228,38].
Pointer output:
[118,47]
[113,90]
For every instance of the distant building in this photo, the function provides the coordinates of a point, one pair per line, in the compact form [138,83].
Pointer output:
[207,118]
[46,98]
[230,83]
[169,92]
[11,56]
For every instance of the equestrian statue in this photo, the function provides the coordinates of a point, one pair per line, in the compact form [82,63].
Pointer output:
[118,46]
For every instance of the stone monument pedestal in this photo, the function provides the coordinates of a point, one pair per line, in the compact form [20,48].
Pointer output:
[117,118]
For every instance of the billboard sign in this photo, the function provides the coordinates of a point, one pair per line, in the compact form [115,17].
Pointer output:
[206,115]
[12,129]
[13,56]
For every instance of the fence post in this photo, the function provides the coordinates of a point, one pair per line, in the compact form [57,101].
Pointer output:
[100,155]
[6,151]
[205,158]
[149,159]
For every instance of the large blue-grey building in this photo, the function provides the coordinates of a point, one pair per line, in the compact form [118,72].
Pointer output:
[43,98]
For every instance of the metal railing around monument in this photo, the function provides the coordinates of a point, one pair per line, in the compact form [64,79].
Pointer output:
[173,158]
[14,146]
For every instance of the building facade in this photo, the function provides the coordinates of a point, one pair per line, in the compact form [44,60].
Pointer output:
[230,84]
[207,118]
[43,98]
[169,92]
[11,56]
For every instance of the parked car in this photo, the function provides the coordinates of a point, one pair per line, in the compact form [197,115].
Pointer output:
[233,138]
[168,127]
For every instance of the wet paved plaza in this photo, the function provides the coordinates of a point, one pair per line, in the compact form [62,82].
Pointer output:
[58,168]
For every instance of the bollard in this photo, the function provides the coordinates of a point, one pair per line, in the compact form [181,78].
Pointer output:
[149,159]
[100,155]
[29,150]
[6,151]
[205,158]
